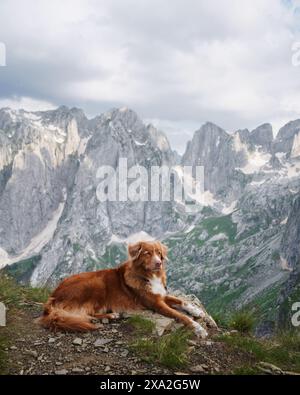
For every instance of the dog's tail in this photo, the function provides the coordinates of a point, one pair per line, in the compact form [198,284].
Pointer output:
[55,318]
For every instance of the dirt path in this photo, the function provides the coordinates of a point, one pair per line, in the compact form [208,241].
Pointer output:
[32,350]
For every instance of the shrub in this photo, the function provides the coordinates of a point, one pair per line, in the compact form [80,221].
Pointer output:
[242,321]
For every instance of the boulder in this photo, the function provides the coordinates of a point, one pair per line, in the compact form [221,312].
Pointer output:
[166,324]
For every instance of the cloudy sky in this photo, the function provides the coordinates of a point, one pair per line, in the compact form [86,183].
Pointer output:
[177,63]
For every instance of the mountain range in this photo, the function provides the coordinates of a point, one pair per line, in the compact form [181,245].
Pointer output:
[239,249]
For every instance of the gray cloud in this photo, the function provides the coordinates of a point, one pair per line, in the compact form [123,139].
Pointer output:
[178,62]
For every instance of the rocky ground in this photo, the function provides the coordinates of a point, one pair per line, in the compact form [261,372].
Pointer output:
[147,343]
[32,350]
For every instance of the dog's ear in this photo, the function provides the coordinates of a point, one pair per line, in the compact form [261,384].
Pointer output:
[134,250]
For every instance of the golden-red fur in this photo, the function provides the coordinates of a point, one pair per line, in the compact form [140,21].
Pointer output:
[83,297]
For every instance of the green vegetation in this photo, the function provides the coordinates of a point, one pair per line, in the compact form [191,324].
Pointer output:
[221,299]
[290,340]
[141,324]
[76,247]
[247,370]
[169,350]
[205,230]
[207,211]
[218,225]
[22,270]
[213,226]
[282,351]
[242,321]
[264,304]
[114,254]
[15,295]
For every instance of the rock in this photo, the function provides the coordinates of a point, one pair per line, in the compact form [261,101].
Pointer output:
[61,372]
[107,369]
[2,314]
[105,321]
[197,369]
[77,370]
[98,325]
[32,353]
[13,348]
[100,342]
[38,343]
[77,341]
[269,368]
[181,374]
[51,340]
[165,324]
[291,373]
[124,353]
[207,343]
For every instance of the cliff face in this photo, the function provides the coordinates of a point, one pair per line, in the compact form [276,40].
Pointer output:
[239,248]
[48,201]
[290,247]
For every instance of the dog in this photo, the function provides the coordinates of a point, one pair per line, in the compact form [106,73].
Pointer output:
[137,284]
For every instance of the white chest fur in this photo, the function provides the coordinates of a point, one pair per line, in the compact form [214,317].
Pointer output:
[157,286]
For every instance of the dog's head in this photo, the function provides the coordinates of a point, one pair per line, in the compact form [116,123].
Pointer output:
[149,256]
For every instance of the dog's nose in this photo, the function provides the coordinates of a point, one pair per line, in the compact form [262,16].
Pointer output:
[158,264]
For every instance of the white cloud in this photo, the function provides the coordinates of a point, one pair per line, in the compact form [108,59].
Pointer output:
[226,61]
[26,103]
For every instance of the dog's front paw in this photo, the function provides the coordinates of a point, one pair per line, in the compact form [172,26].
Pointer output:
[193,310]
[199,330]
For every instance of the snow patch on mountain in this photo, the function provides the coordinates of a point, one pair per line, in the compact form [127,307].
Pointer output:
[296,146]
[37,243]
[134,238]
[255,161]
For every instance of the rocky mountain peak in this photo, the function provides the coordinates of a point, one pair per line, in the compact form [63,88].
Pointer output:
[212,131]
[287,139]
[263,136]
[288,131]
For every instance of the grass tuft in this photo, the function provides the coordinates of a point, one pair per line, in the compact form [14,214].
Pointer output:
[169,350]
[242,321]
[290,340]
[142,325]
[13,294]
[279,351]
